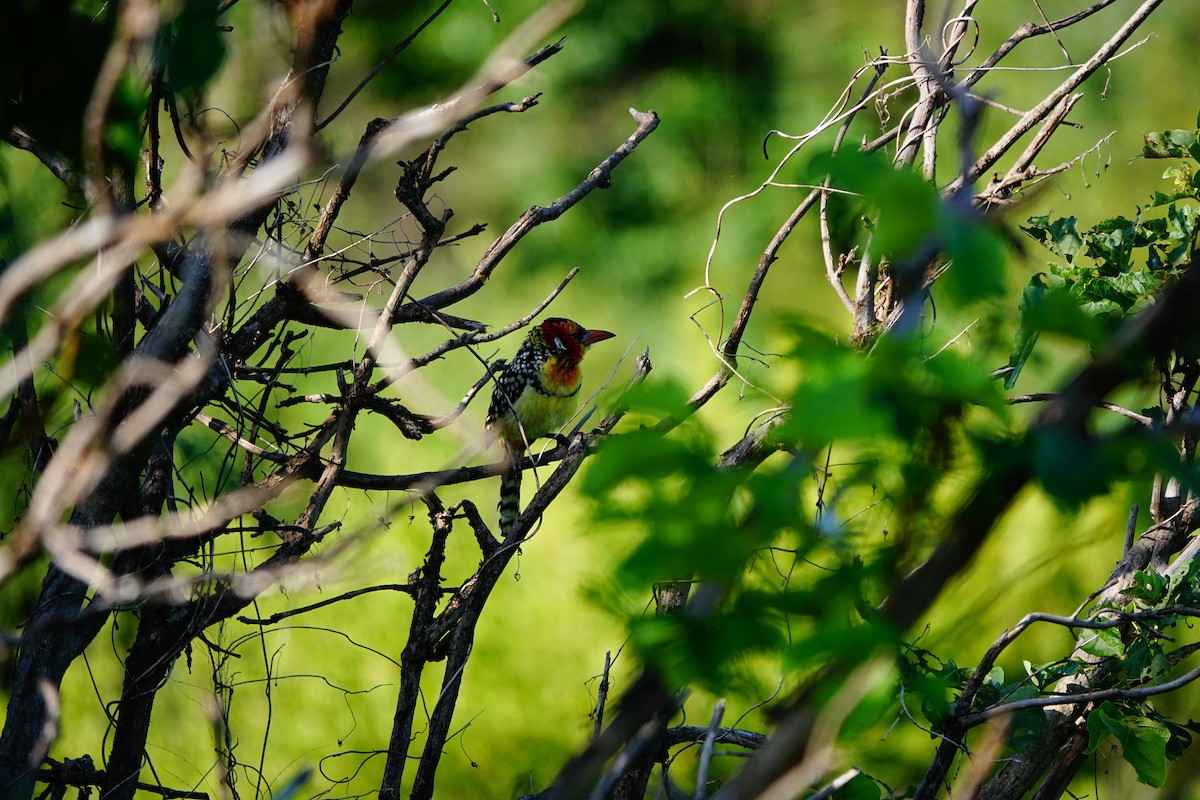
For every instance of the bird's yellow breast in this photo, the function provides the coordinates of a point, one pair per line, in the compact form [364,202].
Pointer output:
[541,414]
[544,408]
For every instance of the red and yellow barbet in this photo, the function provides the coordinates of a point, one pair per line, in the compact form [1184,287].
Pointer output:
[535,395]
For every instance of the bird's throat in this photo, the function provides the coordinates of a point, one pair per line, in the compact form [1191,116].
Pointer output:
[562,376]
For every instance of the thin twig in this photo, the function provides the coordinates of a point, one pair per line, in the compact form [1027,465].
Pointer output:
[706,750]
[1078,698]
[388,57]
[405,588]
[601,696]
[1039,112]
[1043,397]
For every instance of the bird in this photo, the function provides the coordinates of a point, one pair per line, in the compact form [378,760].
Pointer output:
[535,395]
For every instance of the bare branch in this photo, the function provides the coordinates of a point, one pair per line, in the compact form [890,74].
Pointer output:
[598,178]
[1042,110]
[53,161]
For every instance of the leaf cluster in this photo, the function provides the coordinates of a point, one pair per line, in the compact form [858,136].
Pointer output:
[1113,269]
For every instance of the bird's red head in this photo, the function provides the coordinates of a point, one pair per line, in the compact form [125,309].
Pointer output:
[569,339]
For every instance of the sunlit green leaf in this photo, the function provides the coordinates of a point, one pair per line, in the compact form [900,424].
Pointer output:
[833,400]
[1101,643]
[906,204]
[860,787]
[1147,585]
[1058,236]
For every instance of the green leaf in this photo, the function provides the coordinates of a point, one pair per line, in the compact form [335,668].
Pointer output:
[123,133]
[1058,310]
[879,702]
[1059,236]
[1181,738]
[1027,334]
[1183,179]
[1145,748]
[860,787]
[1182,583]
[1051,673]
[195,48]
[1106,720]
[936,685]
[834,401]
[89,357]
[656,399]
[1143,741]
[976,253]
[1138,661]
[1070,468]
[907,205]
[1168,144]
[691,650]
[1028,725]
[838,640]
[1147,585]
[1102,643]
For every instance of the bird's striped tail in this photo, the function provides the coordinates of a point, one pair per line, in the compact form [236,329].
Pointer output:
[510,499]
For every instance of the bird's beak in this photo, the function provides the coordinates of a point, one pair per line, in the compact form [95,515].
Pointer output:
[591,337]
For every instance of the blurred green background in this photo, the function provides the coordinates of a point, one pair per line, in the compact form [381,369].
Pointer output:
[721,75]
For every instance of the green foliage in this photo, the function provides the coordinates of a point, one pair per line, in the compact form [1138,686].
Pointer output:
[1046,306]
[1103,643]
[123,133]
[645,479]
[933,681]
[976,255]
[1113,269]
[905,213]
[192,47]
[900,392]
[903,207]
[1074,466]
[1172,144]
[906,427]
[860,787]
[835,399]
[1139,656]
[1106,273]
[1143,740]
[88,357]
[901,414]
[651,490]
